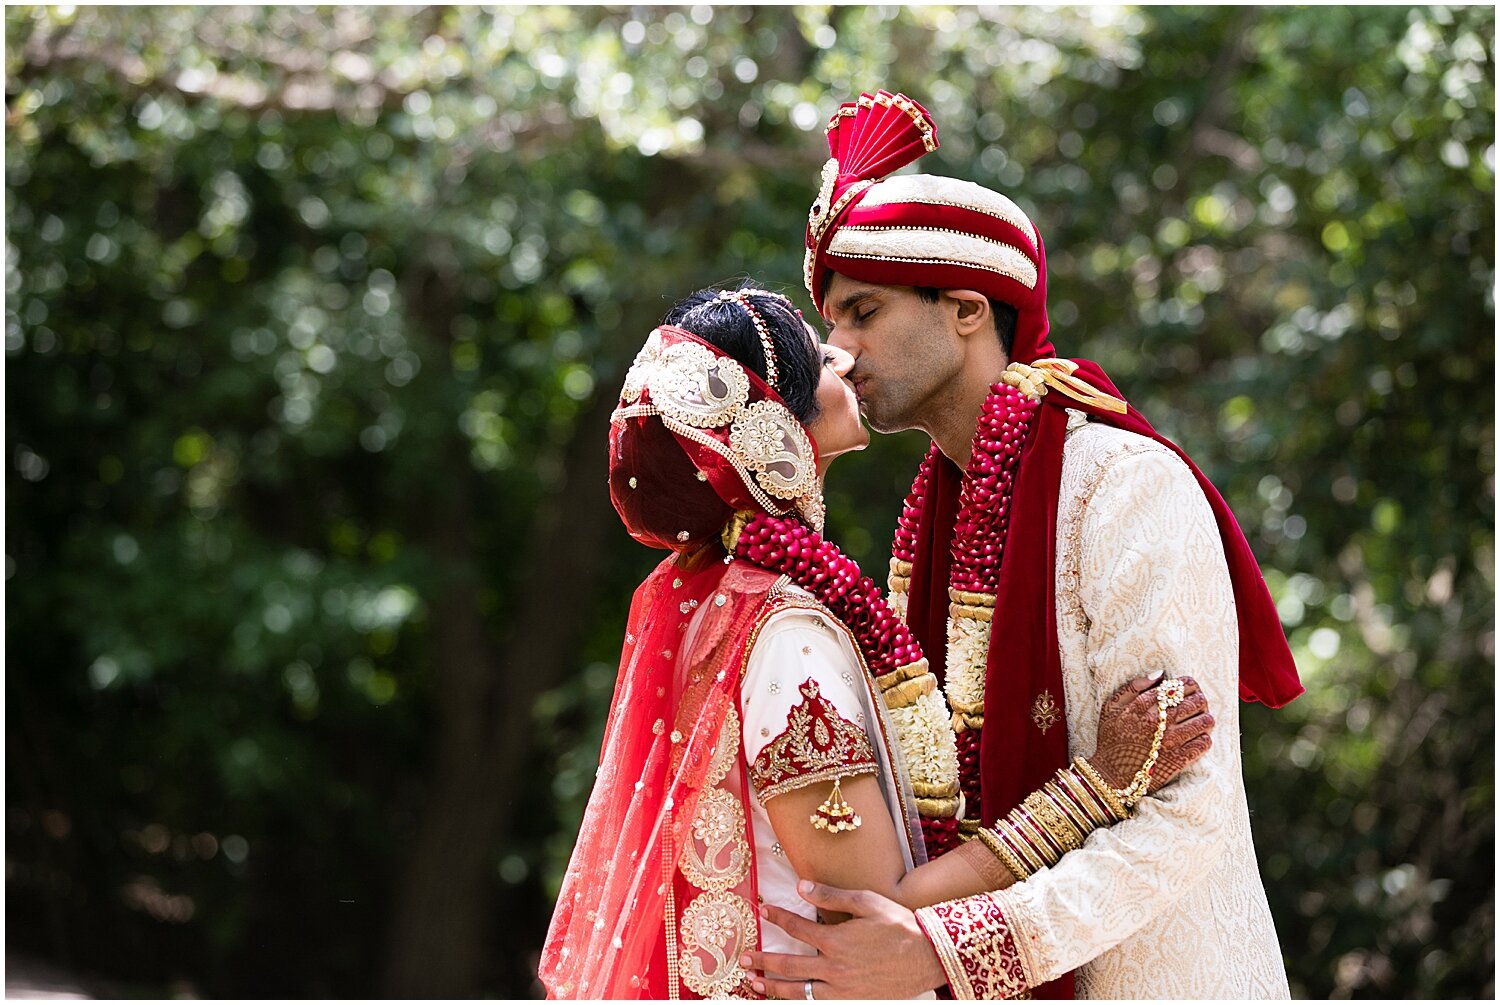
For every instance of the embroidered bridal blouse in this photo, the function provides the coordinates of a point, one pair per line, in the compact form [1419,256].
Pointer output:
[1167,904]
[811,715]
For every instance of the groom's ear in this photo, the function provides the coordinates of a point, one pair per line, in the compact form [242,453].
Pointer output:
[970,311]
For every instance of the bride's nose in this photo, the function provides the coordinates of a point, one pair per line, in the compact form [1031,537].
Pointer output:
[841,361]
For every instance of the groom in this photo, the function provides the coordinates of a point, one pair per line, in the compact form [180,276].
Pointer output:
[1109,556]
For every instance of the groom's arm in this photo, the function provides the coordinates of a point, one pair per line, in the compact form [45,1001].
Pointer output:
[1155,588]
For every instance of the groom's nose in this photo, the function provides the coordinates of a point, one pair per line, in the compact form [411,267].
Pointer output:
[841,342]
[842,362]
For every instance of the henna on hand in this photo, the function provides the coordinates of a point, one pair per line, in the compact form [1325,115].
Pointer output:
[1127,726]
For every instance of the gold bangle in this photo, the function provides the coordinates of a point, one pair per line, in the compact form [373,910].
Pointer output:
[1097,813]
[1022,848]
[1035,849]
[1030,833]
[1102,789]
[997,848]
[1076,809]
[1096,801]
[1079,824]
[1051,819]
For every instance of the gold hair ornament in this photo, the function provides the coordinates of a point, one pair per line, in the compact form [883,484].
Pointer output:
[742,297]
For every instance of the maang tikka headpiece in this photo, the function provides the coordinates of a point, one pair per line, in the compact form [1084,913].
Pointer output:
[742,297]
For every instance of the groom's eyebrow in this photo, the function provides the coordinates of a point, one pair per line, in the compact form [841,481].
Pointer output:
[851,300]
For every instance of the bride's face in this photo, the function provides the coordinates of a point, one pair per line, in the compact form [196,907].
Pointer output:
[836,429]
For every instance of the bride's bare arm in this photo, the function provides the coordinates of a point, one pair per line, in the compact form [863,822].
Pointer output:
[870,857]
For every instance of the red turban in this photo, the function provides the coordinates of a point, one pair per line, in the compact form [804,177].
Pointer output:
[920,230]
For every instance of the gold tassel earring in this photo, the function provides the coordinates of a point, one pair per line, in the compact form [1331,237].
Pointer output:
[835,815]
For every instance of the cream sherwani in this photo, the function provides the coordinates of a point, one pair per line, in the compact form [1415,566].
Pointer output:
[1167,904]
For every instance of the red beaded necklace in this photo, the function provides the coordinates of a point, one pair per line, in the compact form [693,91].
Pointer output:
[783,544]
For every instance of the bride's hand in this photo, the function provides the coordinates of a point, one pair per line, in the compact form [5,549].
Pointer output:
[1127,725]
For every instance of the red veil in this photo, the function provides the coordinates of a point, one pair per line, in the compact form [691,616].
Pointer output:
[608,934]
[629,923]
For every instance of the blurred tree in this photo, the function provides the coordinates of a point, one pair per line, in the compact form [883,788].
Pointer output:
[314,319]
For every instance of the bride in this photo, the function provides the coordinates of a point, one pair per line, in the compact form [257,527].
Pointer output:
[773,717]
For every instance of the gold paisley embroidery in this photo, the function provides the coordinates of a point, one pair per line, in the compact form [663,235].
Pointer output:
[716,929]
[717,856]
[725,750]
[698,388]
[770,441]
[817,745]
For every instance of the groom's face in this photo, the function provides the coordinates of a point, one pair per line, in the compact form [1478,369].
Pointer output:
[903,347]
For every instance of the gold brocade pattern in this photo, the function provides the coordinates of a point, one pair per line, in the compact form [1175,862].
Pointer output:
[976,947]
[817,745]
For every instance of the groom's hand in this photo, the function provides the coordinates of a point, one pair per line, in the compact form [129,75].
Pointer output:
[880,952]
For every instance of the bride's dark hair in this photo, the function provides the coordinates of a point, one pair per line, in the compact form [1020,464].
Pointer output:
[726,324]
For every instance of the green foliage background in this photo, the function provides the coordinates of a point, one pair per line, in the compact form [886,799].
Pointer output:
[313,322]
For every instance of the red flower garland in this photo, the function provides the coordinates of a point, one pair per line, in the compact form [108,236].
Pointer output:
[984,497]
[786,545]
[979,531]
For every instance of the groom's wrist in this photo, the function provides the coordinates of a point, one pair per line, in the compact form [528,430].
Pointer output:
[939,965]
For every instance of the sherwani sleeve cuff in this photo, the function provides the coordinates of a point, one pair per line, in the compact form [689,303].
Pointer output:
[978,946]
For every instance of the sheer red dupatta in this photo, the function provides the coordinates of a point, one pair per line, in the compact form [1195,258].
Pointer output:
[610,931]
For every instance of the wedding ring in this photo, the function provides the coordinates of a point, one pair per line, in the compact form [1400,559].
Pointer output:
[807,990]
[1171,692]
